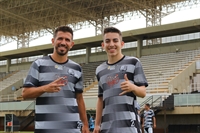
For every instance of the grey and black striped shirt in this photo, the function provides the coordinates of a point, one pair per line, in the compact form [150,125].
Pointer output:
[119,113]
[148,118]
[56,112]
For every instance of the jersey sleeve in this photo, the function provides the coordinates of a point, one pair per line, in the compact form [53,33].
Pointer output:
[32,79]
[79,84]
[153,115]
[139,76]
[100,90]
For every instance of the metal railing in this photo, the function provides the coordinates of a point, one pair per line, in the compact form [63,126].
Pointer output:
[194,87]
[8,97]
[187,100]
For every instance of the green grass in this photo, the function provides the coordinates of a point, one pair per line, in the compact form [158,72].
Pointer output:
[17,132]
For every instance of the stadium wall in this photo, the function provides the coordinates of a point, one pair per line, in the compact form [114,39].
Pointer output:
[30,128]
[99,56]
[184,119]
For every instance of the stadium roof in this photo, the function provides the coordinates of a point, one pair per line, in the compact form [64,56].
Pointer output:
[18,17]
[186,27]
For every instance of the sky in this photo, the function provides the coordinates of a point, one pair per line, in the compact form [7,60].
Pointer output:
[130,24]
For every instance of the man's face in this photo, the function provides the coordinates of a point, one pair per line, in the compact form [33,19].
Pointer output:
[62,43]
[146,107]
[112,44]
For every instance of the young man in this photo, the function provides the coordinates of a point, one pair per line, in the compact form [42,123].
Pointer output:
[56,83]
[120,80]
[149,120]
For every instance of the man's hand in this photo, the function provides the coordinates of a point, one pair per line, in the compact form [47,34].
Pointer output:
[96,129]
[127,86]
[54,86]
[154,125]
[85,129]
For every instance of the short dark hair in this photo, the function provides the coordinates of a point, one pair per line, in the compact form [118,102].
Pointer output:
[112,30]
[63,29]
[148,105]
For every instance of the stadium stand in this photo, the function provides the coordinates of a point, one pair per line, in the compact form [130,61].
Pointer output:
[160,69]
[4,75]
[11,84]
[89,72]
[168,53]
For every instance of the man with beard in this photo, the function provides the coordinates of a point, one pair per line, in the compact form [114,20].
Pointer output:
[57,84]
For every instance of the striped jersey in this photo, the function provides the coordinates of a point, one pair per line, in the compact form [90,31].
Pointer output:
[119,112]
[148,118]
[56,112]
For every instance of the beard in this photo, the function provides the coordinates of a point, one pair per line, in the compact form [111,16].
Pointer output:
[62,52]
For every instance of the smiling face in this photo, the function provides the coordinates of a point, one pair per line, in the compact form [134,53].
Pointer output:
[62,43]
[112,44]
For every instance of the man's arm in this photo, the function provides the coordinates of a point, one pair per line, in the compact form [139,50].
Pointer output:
[82,110]
[154,122]
[99,110]
[139,91]
[34,92]
[142,120]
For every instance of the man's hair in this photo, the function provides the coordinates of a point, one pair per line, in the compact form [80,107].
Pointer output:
[148,105]
[63,29]
[112,30]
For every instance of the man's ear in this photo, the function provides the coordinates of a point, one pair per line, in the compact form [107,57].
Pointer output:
[72,44]
[102,45]
[122,43]
[52,41]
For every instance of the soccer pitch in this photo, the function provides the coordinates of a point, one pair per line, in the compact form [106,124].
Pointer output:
[18,132]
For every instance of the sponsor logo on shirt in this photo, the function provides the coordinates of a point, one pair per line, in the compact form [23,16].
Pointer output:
[123,68]
[112,80]
[59,67]
[111,67]
[64,79]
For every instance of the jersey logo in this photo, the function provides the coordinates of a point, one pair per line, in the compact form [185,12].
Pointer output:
[111,67]
[123,68]
[59,67]
[71,72]
[64,79]
[112,80]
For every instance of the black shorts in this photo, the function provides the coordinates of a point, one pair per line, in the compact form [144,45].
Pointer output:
[91,129]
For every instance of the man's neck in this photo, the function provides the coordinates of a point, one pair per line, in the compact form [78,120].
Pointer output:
[58,58]
[114,59]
